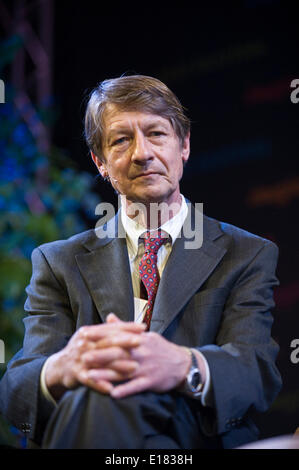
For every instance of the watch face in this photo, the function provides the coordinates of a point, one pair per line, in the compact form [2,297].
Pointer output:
[195,379]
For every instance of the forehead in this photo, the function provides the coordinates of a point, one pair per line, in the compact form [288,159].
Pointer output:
[115,118]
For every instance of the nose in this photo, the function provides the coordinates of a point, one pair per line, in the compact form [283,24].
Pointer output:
[141,151]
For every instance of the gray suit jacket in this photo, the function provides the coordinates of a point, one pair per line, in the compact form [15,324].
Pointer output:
[216,298]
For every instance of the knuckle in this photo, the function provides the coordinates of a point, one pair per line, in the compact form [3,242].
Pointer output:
[82,331]
[84,360]
[152,335]
[141,352]
[81,348]
[118,353]
[81,377]
[80,344]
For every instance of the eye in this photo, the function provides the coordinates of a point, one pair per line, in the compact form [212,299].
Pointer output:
[157,134]
[119,141]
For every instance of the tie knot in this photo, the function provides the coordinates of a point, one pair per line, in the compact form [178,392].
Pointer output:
[153,240]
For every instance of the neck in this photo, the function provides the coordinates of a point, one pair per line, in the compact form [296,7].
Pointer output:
[151,215]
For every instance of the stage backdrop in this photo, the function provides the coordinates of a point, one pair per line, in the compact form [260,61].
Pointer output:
[233,69]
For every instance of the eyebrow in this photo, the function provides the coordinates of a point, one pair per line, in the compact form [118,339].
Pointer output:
[155,124]
[125,128]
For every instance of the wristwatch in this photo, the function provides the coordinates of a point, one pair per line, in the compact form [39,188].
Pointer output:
[193,385]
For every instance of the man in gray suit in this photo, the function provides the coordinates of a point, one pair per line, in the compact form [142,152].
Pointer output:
[133,338]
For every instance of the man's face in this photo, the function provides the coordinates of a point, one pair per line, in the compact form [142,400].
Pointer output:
[143,156]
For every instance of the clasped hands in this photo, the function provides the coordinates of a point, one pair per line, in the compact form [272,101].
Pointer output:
[117,358]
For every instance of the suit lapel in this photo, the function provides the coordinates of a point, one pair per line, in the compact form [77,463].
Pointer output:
[106,271]
[184,273]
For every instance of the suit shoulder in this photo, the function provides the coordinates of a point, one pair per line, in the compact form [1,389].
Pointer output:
[243,236]
[72,244]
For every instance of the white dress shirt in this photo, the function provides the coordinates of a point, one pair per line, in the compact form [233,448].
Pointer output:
[136,250]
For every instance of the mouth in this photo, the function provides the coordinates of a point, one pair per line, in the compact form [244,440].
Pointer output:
[147,174]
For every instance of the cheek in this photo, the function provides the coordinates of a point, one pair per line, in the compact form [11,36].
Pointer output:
[176,167]
[116,167]
[120,163]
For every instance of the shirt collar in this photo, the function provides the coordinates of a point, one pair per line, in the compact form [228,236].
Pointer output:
[133,230]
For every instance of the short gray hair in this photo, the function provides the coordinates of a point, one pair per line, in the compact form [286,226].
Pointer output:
[132,93]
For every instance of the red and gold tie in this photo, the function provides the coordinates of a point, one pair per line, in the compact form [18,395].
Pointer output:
[148,268]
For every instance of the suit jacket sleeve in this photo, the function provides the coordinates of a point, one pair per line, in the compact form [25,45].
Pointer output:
[242,360]
[48,327]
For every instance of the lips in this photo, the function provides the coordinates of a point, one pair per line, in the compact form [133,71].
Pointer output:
[147,173]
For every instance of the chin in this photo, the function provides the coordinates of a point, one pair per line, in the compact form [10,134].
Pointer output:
[151,195]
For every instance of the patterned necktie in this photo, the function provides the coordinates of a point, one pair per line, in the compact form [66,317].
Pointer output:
[148,269]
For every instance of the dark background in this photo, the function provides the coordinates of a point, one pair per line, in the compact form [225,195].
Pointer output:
[231,66]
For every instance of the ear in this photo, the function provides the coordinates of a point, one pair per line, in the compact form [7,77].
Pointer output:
[100,165]
[186,148]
